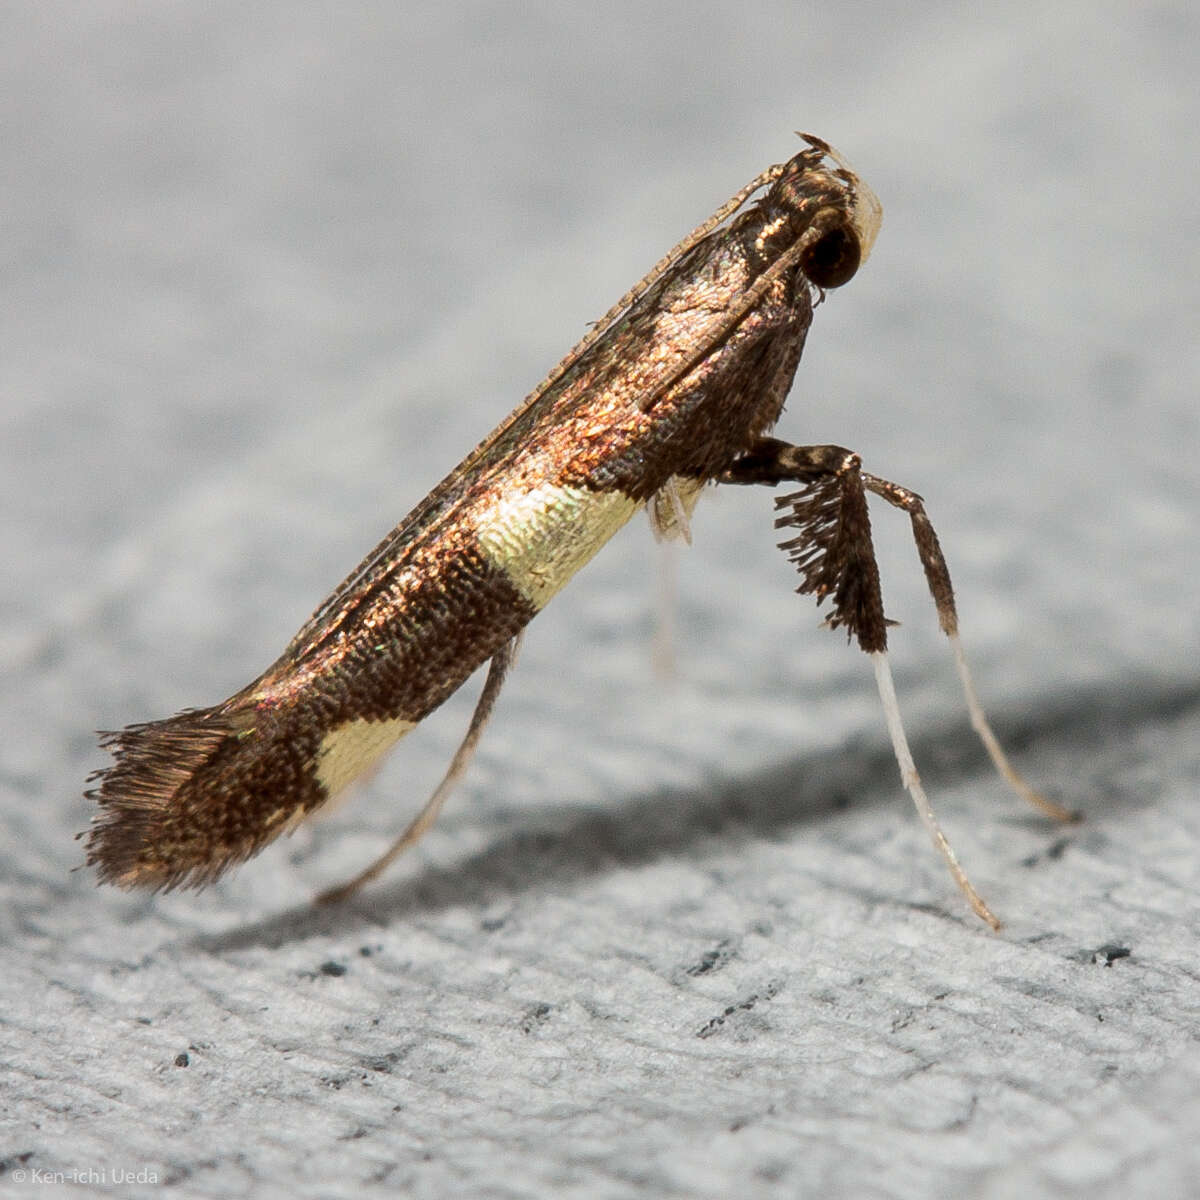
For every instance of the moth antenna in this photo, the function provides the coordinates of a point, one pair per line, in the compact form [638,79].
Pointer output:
[421,823]
[912,784]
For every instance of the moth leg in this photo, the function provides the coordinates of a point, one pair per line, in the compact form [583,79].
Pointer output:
[836,559]
[420,824]
[833,551]
[937,575]
[669,511]
[771,461]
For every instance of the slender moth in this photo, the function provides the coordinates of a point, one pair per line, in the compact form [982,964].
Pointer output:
[676,387]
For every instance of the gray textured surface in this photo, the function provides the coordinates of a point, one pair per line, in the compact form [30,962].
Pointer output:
[271,269]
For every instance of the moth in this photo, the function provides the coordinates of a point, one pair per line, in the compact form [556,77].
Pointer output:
[676,388]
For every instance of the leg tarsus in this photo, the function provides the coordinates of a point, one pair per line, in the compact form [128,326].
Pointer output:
[980,724]
[912,783]
[937,575]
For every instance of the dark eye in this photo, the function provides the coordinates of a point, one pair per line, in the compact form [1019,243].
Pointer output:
[833,259]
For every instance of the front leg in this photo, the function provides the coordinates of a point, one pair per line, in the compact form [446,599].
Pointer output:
[833,550]
[835,555]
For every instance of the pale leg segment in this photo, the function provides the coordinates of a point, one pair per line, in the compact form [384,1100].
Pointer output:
[938,577]
[912,784]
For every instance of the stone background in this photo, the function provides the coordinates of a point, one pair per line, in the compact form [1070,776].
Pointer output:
[270,270]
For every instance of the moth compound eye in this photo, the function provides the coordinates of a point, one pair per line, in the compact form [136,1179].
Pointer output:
[833,259]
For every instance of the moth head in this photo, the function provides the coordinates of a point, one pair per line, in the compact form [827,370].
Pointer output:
[840,215]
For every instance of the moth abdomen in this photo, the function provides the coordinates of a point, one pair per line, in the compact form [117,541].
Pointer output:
[197,793]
